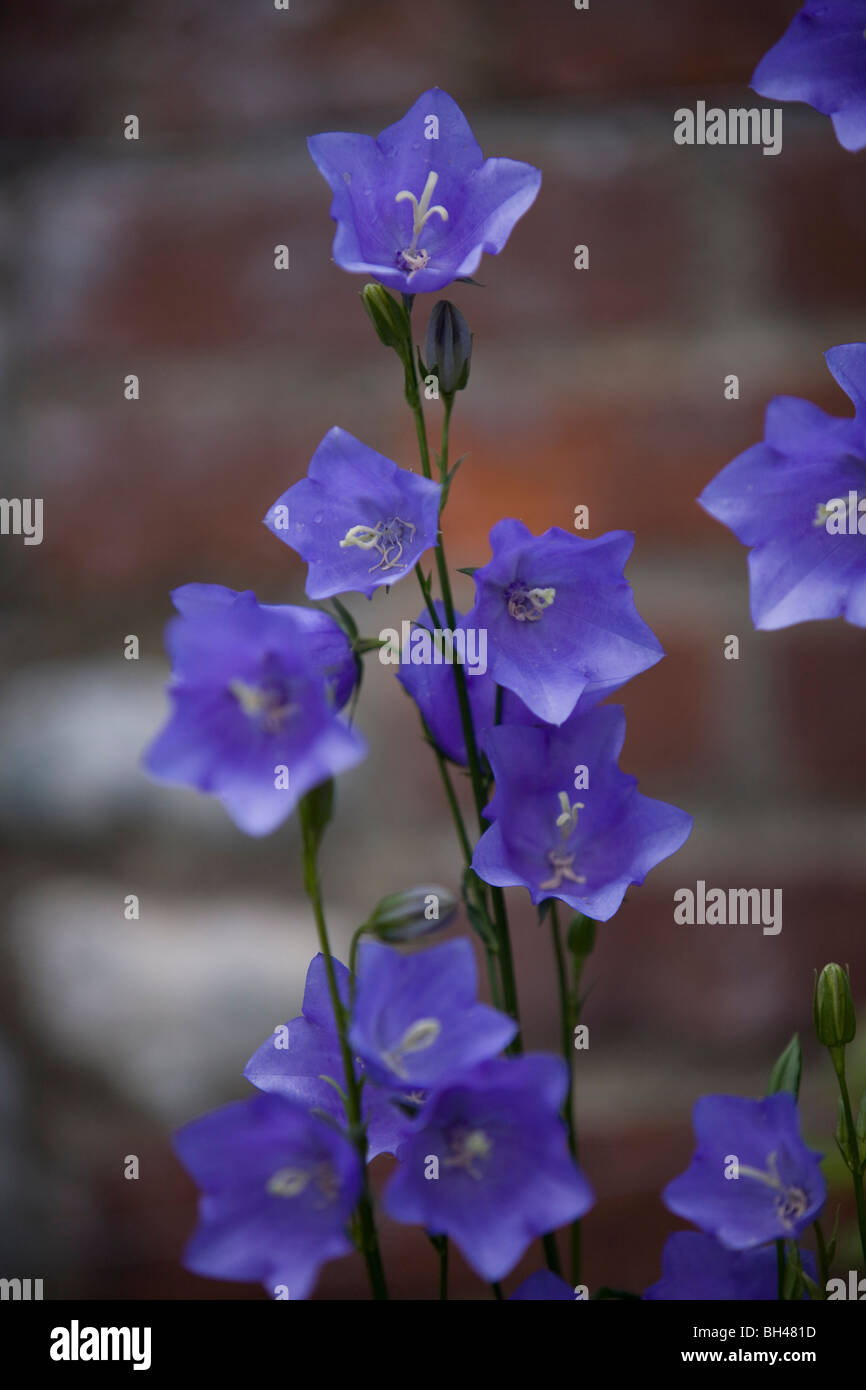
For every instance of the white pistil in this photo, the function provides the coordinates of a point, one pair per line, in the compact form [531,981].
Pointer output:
[386,537]
[790,1203]
[418,1037]
[466,1151]
[561,859]
[413,257]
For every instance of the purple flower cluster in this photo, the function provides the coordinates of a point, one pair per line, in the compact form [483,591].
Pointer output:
[479,1139]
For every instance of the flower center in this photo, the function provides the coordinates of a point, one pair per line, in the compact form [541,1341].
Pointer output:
[386,537]
[291,1182]
[525,604]
[267,704]
[418,1037]
[561,858]
[413,257]
[790,1203]
[466,1149]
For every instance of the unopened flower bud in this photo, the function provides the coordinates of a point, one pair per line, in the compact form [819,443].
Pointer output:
[387,316]
[835,1020]
[417,912]
[448,349]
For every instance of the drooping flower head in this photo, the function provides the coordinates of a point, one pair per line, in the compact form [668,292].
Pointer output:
[299,1054]
[416,1020]
[796,499]
[254,693]
[431,685]
[560,617]
[278,1187]
[821,60]
[696,1266]
[496,1138]
[583,846]
[416,207]
[357,519]
[752,1179]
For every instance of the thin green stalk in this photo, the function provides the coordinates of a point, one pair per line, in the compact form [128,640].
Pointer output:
[497,1292]
[567,1023]
[551,1253]
[837,1055]
[823,1261]
[312,885]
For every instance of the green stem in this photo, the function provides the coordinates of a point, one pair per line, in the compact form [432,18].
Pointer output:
[823,1262]
[551,1253]
[443,1270]
[497,1292]
[567,1024]
[780,1267]
[837,1055]
[479,790]
[312,885]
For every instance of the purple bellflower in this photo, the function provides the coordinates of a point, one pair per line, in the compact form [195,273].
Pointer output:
[584,847]
[560,617]
[357,519]
[496,1139]
[416,1020]
[752,1179]
[696,1266]
[821,60]
[278,1187]
[798,500]
[416,207]
[293,1061]
[543,1286]
[253,691]
[431,686]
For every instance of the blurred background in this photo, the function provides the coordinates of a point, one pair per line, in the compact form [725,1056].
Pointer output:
[601,387]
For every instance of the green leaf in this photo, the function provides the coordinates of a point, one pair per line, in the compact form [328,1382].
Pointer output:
[470,570]
[788,1069]
[469,280]
[369,644]
[478,919]
[792,1285]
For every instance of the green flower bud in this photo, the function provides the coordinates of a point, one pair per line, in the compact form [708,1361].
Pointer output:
[387,316]
[448,348]
[835,1020]
[417,912]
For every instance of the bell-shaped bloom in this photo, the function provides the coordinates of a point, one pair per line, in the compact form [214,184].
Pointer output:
[543,1286]
[752,1179]
[358,520]
[584,846]
[431,685]
[254,690]
[819,60]
[299,1054]
[278,1188]
[416,1019]
[694,1266]
[798,500]
[559,615]
[416,207]
[487,1163]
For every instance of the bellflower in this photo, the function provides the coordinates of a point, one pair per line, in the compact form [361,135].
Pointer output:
[821,60]
[497,1141]
[253,693]
[416,1020]
[278,1187]
[694,1266]
[416,207]
[559,615]
[586,846]
[293,1061]
[357,519]
[752,1179]
[797,500]
[432,688]
[543,1286]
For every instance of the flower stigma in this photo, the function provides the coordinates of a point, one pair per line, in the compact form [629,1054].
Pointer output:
[414,258]
[525,604]
[387,537]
